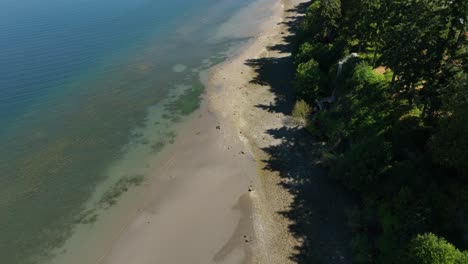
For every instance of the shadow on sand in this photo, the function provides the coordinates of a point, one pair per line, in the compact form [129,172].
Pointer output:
[319,207]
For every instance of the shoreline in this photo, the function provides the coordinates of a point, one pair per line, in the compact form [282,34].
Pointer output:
[300,214]
[203,202]
[213,206]
[198,208]
[238,94]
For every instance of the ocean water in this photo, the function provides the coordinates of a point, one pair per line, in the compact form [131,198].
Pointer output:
[89,91]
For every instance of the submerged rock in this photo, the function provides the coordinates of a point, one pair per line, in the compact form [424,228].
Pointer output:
[179,68]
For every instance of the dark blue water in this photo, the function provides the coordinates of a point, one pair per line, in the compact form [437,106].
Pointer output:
[77,77]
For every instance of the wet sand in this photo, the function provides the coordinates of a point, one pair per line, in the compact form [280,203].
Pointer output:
[207,203]
[198,207]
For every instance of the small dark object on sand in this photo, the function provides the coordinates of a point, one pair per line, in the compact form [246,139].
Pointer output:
[218,127]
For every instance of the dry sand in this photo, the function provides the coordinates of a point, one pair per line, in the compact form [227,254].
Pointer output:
[201,208]
[242,96]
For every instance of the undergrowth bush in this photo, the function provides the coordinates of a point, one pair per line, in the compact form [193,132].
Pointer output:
[301,112]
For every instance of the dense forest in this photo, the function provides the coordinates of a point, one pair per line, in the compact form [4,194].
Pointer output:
[384,83]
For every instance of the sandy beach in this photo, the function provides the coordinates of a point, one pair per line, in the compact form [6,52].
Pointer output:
[244,96]
[207,204]
[232,132]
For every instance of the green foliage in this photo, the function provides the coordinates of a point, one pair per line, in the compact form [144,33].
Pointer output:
[430,249]
[306,52]
[417,42]
[450,142]
[330,14]
[389,240]
[398,138]
[365,107]
[364,164]
[364,75]
[307,80]
[463,259]
[325,54]
[409,135]
[310,26]
[322,21]
[364,22]
[361,247]
[331,127]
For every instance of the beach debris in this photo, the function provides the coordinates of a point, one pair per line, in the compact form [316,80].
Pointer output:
[242,152]
[251,188]
[218,127]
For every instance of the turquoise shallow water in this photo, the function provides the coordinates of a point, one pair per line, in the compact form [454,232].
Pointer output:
[77,78]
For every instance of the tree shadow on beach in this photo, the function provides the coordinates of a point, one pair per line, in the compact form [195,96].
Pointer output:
[276,73]
[319,209]
[291,23]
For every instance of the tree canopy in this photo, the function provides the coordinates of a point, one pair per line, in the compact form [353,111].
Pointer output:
[396,132]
